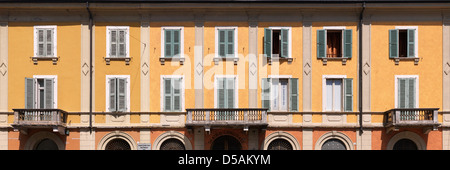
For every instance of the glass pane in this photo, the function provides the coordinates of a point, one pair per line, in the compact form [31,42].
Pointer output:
[284,95]
[329,97]
[275,94]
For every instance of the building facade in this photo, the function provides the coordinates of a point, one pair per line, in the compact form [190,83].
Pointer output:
[219,75]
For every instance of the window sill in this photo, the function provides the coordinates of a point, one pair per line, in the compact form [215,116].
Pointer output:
[398,59]
[217,59]
[54,59]
[344,60]
[126,59]
[270,59]
[163,59]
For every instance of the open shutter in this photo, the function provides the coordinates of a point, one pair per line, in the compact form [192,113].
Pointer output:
[167,94]
[230,43]
[230,93]
[112,95]
[348,94]
[393,43]
[321,43]
[121,94]
[168,43]
[265,93]
[176,94]
[49,94]
[268,42]
[347,43]
[222,43]
[29,93]
[411,43]
[411,93]
[176,43]
[293,94]
[284,43]
[122,44]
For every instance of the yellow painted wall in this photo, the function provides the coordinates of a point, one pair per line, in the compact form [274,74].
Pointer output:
[117,67]
[20,44]
[384,69]
[333,67]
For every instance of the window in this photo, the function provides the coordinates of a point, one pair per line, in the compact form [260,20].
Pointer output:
[45,41]
[40,92]
[172,42]
[117,40]
[226,42]
[337,93]
[406,91]
[403,42]
[172,93]
[334,42]
[280,94]
[117,91]
[277,42]
[226,91]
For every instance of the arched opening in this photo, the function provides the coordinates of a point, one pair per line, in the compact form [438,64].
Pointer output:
[46,144]
[333,144]
[172,144]
[117,144]
[405,144]
[226,142]
[279,144]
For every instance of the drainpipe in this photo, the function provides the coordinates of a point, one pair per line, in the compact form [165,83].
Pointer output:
[90,66]
[360,68]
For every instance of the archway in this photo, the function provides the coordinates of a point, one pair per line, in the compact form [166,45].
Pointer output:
[405,144]
[117,144]
[172,144]
[46,144]
[226,142]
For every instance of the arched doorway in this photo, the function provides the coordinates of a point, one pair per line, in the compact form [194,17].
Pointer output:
[117,144]
[226,142]
[405,144]
[279,144]
[172,144]
[334,144]
[46,144]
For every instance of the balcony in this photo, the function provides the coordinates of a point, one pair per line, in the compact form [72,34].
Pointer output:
[241,117]
[425,118]
[25,119]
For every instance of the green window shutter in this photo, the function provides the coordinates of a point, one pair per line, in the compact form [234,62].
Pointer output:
[230,86]
[321,43]
[393,43]
[49,41]
[121,43]
[348,94]
[176,43]
[265,93]
[348,43]
[29,93]
[168,43]
[411,43]
[112,95]
[230,43]
[402,93]
[411,93]
[41,43]
[48,93]
[113,43]
[268,42]
[121,94]
[221,93]
[222,43]
[176,94]
[284,43]
[167,94]
[293,95]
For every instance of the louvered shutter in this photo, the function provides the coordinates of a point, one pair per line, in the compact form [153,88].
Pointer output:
[49,42]
[268,42]
[321,43]
[168,43]
[112,95]
[265,93]
[29,93]
[41,43]
[176,94]
[113,43]
[222,43]
[411,93]
[293,94]
[393,43]
[347,43]
[221,92]
[121,94]
[48,94]
[176,43]
[411,43]
[402,93]
[167,94]
[122,44]
[348,94]
[284,43]
[230,93]
[230,43]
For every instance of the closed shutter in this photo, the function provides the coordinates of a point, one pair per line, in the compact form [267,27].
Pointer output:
[284,43]
[293,94]
[121,94]
[411,43]
[122,44]
[113,43]
[48,93]
[176,43]
[407,93]
[230,93]
[265,93]
[29,93]
[268,42]
[348,94]
[49,41]
[411,93]
[222,43]
[393,43]
[230,43]
[41,43]
[112,95]
[402,93]
[348,43]
[221,92]
[321,43]
[168,43]
[176,94]
[167,94]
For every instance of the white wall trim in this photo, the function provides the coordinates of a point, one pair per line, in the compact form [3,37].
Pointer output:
[416,37]
[236,94]
[127,77]
[35,36]
[55,87]
[127,39]
[396,88]
[334,27]
[324,89]
[161,96]
[216,40]
[163,36]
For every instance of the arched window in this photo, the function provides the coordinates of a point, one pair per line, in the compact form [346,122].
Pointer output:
[172,144]
[334,144]
[117,144]
[279,144]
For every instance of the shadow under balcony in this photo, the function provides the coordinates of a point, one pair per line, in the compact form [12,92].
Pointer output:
[227,118]
[425,118]
[25,119]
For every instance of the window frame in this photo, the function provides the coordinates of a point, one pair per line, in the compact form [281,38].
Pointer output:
[127,40]
[55,89]
[163,41]
[397,77]
[324,92]
[335,28]
[35,37]
[285,77]
[416,39]
[161,97]
[236,89]
[127,77]
[289,40]
[216,41]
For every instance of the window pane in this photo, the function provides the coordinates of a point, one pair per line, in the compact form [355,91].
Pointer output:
[275,94]
[284,95]
[337,98]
